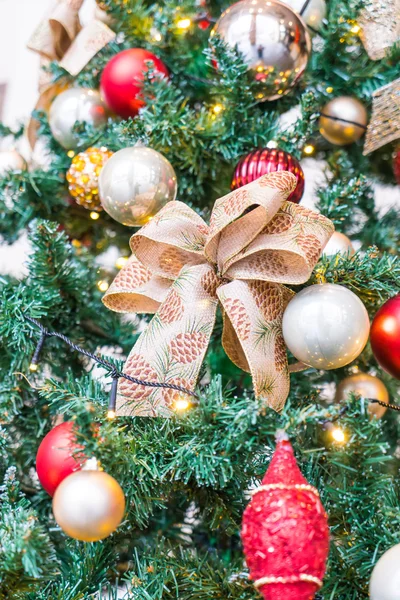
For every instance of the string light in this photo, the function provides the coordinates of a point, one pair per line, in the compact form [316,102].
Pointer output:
[184,23]
[121,262]
[309,149]
[181,403]
[71,153]
[329,89]
[103,285]
[111,414]
[355,29]
[338,435]
[94,215]
[33,367]
[217,108]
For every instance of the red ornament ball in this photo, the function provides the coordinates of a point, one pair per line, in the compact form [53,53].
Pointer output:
[121,80]
[266,160]
[285,531]
[385,336]
[396,165]
[56,457]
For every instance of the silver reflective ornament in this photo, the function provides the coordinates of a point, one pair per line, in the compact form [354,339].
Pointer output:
[11,160]
[273,39]
[74,106]
[312,12]
[325,326]
[135,183]
[338,243]
[385,578]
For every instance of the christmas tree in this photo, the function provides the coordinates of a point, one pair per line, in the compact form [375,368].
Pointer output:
[182,305]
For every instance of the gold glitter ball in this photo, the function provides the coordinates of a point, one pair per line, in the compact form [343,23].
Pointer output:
[83,176]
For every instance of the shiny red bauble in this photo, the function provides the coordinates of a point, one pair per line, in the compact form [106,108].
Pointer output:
[285,531]
[268,160]
[385,336]
[122,77]
[57,457]
[396,165]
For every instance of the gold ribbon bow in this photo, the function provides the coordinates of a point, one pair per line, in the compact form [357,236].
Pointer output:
[60,37]
[181,268]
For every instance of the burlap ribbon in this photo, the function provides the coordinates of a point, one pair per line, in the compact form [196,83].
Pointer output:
[60,37]
[181,268]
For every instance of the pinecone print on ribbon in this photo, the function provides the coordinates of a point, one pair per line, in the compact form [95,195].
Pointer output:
[172,310]
[279,224]
[238,316]
[236,202]
[169,395]
[135,243]
[311,247]
[269,262]
[210,282]
[267,298]
[309,215]
[172,260]
[187,347]
[137,367]
[280,354]
[282,180]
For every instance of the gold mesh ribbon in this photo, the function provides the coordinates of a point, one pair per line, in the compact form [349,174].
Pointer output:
[60,37]
[380,26]
[181,268]
[384,126]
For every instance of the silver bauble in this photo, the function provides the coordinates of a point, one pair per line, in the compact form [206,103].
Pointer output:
[312,12]
[135,183]
[366,386]
[325,326]
[338,243]
[273,40]
[75,105]
[11,160]
[385,578]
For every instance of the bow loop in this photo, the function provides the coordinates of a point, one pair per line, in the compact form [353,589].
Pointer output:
[181,269]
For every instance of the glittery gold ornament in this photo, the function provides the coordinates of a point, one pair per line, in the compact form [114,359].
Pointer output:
[343,120]
[83,176]
[366,386]
[89,505]
[384,126]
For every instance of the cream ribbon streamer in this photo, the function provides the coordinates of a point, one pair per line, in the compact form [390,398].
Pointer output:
[182,268]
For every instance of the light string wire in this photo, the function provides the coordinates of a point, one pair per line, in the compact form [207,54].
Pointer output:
[115,374]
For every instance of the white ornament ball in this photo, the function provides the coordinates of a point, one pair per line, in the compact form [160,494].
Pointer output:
[385,578]
[11,160]
[326,326]
[75,105]
[339,243]
[312,12]
[135,183]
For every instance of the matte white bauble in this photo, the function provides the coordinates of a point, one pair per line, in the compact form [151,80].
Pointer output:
[385,578]
[326,326]
[11,160]
[339,243]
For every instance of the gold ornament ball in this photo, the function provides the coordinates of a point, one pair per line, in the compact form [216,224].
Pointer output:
[83,176]
[343,120]
[273,39]
[339,243]
[366,386]
[89,505]
[11,160]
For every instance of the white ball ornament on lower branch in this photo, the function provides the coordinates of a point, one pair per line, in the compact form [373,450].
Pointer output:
[135,184]
[89,504]
[11,160]
[72,106]
[326,326]
[385,578]
[338,244]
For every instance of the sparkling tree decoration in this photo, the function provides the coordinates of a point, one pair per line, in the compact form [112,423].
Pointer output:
[83,176]
[285,531]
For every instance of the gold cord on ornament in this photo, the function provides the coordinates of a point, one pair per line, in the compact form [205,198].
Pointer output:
[290,579]
[283,486]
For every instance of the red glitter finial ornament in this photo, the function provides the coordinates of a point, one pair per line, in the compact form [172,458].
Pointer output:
[285,531]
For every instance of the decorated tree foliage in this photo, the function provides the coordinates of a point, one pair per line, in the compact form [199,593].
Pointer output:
[199,386]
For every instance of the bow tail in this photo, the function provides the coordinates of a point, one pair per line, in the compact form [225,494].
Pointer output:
[172,347]
[252,336]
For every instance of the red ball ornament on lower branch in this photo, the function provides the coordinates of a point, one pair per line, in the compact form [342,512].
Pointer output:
[57,456]
[261,162]
[385,336]
[285,531]
[122,77]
